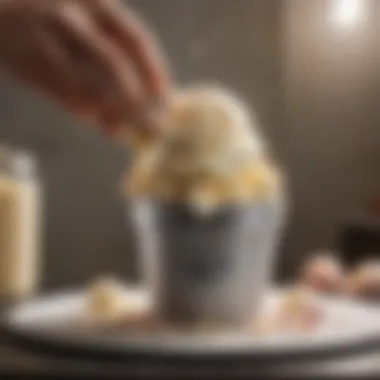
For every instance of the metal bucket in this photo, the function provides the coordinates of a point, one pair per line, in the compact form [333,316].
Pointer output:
[207,268]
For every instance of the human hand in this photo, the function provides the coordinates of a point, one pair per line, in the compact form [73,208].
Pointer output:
[93,57]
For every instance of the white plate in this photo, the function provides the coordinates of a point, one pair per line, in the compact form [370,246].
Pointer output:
[58,322]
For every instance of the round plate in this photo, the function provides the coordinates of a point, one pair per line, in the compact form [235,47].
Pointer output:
[58,324]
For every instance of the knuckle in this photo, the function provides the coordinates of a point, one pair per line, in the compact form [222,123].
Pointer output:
[62,11]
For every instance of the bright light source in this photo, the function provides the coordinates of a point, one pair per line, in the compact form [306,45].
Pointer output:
[347,12]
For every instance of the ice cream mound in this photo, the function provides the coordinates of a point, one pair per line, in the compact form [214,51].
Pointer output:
[212,154]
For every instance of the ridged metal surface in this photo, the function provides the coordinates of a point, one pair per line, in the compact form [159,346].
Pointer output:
[207,268]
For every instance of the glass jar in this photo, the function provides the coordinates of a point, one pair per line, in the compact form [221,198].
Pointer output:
[20,224]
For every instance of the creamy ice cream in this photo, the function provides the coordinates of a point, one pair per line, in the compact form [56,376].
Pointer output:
[212,154]
[106,299]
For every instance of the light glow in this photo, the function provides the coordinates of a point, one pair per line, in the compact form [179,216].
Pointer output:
[347,12]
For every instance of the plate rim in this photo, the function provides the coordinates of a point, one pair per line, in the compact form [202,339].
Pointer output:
[154,351]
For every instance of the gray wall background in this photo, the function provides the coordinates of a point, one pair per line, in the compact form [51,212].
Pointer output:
[331,86]
[266,51]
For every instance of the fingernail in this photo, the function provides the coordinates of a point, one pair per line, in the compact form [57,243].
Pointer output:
[115,131]
[152,119]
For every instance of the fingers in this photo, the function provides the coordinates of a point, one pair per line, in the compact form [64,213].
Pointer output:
[136,42]
[58,70]
[49,68]
[33,53]
[113,70]
[92,56]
